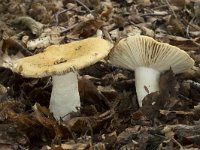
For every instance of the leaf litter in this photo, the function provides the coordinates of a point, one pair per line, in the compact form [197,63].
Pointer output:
[109,117]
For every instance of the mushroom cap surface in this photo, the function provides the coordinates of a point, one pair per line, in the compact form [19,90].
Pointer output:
[59,59]
[143,51]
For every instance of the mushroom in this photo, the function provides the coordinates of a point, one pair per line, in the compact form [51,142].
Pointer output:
[59,61]
[148,58]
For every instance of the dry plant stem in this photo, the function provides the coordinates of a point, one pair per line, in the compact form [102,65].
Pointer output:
[79,2]
[65,96]
[151,14]
[60,12]
[171,8]
[159,7]
[187,29]
[188,34]
[69,28]
[181,147]
[57,14]
[107,35]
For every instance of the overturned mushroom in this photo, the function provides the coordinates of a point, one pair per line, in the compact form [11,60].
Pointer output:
[59,61]
[149,58]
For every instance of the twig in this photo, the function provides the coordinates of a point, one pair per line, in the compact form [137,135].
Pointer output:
[57,14]
[191,24]
[171,9]
[159,7]
[107,35]
[69,28]
[187,32]
[181,147]
[79,2]
[74,70]
[187,29]
[153,14]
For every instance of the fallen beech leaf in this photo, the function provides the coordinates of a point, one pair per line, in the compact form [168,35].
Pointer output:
[107,10]
[177,25]
[183,43]
[126,134]
[136,115]
[168,82]
[190,133]
[83,124]
[88,28]
[8,141]
[108,91]
[89,110]
[89,94]
[25,123]
[12,47]
[43,116]
[39,12]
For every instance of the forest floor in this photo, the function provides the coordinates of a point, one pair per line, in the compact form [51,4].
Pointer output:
[109,117]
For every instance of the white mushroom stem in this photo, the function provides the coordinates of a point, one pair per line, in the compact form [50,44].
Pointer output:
[146,81]
[65,95]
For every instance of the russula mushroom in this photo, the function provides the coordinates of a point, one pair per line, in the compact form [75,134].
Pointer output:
[148,58]
[59,61]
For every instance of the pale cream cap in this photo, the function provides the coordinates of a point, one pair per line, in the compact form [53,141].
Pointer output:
[60,59]
[143,51]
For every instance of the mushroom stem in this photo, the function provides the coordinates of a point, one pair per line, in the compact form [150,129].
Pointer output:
[146,81]
[65,96]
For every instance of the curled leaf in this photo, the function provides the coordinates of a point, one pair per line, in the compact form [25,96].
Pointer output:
[35,27]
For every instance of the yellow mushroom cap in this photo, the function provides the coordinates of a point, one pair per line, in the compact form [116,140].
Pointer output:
[143,51]
[59,59]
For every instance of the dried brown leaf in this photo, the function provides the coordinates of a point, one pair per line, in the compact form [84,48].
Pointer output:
[177,25]
[108,8]
[110,138]
[39,12]
[88,28]
[12,47]
[183,43]
[43,116]
[83,124]
[90,94]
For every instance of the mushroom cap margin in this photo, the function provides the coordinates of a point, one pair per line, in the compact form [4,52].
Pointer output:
[60,59]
